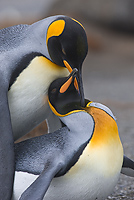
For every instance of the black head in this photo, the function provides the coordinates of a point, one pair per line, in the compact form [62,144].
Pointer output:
[67,45]
[63,97]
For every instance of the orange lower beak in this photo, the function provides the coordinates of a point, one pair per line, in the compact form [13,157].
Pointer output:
[78,84]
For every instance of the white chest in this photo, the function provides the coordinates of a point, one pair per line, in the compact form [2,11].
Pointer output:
[82,185]
[28,95]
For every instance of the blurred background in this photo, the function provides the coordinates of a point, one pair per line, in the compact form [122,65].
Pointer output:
[108,70]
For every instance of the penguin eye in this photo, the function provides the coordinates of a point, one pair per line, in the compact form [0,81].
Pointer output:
[53,90]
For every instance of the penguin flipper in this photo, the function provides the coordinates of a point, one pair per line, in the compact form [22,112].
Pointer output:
[127,166]
[38,188]
[6,145]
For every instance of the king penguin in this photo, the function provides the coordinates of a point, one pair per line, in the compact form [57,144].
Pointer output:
[82,160]
[31,57]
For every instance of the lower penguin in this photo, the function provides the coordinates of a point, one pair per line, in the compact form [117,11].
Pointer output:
[81,161]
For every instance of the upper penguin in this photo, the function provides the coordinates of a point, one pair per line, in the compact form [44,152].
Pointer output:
[31,57]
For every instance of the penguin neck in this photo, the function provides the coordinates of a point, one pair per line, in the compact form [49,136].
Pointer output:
[80,123]
[105,146]
[106,128]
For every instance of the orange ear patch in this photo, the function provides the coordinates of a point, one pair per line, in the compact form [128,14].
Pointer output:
[55,29]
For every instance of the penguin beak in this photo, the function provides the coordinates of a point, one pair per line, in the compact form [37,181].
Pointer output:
[81,90]
[77,83]
[71,78]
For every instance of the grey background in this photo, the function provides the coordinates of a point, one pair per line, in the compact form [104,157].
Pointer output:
[108,70]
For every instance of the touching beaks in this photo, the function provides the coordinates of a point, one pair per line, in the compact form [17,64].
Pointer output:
[66,85]
[77,82]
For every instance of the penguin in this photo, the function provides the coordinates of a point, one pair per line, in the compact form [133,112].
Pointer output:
[82,160]
[31,57]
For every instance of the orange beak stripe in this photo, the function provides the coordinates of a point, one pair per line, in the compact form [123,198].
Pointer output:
[66,85]
[67,66]
[70,70]
[76,84]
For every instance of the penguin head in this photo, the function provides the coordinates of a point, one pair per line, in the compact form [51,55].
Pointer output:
[67,46]
[64,97]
